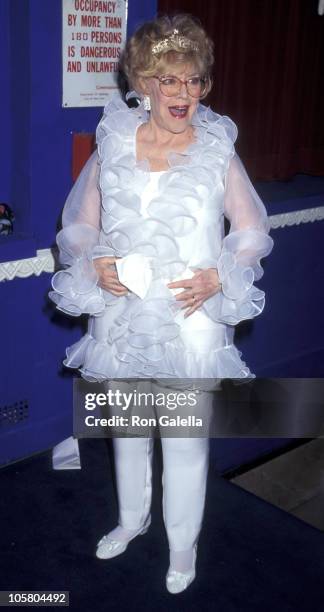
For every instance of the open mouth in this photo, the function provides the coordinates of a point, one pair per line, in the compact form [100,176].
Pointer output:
[179,112]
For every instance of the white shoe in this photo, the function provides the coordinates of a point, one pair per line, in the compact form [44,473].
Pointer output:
[179,581]
[107,548]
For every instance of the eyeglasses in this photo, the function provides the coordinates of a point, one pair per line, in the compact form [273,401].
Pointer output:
[171,85]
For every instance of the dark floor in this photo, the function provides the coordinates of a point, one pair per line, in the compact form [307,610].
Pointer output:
[251,555]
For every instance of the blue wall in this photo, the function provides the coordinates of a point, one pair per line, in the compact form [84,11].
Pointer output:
[5,149]
[36,163]
[37,131]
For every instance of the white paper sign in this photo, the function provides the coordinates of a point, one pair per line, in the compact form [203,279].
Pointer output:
[93,37]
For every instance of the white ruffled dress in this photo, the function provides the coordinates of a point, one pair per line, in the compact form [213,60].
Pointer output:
[167,224]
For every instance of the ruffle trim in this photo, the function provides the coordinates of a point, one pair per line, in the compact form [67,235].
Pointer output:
[76,291]
[116,141]
[99,361]
[143,339]
[142,329]
[238,299]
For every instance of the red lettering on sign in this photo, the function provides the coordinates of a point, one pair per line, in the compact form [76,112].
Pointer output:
[71,20]
[74,67]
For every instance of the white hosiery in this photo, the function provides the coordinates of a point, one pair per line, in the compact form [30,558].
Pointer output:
[181,560]
[121,534]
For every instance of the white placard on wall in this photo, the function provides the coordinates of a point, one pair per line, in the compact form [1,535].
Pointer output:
[93,37]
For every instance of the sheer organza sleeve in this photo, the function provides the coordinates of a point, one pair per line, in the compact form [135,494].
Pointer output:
[75,289]
[245,245]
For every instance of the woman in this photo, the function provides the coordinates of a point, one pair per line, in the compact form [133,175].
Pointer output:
[146,257]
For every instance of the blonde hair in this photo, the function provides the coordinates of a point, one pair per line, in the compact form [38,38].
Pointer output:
[138,61]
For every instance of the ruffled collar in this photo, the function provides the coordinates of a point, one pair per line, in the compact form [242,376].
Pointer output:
[214,134]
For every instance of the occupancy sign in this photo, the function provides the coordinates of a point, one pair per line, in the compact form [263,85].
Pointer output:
[94,34]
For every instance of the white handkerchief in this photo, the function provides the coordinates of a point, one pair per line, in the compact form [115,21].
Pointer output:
[135,272]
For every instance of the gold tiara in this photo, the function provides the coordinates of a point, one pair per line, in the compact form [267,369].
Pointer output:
[174,39]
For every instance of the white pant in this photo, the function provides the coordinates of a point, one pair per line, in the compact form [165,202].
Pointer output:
[185,468]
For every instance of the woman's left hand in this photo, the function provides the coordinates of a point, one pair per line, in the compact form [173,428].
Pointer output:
[199,288]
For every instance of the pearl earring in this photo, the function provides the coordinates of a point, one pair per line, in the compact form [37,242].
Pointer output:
[147,103]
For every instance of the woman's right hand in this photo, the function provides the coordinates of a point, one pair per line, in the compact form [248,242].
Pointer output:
[108,277]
